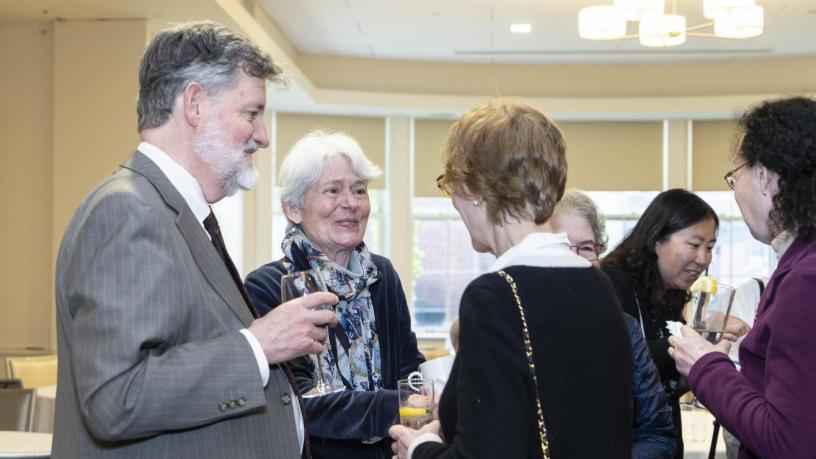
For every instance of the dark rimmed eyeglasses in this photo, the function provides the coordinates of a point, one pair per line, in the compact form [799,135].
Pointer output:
[731,177]
[589,251]
[442,186]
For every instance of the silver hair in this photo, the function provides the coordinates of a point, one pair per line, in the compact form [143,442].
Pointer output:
[204,52]
[304,163]
[574,200]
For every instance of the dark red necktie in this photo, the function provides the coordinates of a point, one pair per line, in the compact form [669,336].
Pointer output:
[211,225]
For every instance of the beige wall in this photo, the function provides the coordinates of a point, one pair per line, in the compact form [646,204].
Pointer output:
[624,156]
[67,118]
[26,127]
[369,133]
[712,146]
[431,136]
[95,91]
[603,156]
[731,77]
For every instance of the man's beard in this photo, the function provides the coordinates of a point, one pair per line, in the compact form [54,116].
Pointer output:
[231,166]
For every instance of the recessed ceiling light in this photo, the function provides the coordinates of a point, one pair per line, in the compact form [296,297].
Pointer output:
[521,28]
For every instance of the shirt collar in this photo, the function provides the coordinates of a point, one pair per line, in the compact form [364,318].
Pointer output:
[781,242]
[544,250]
[183,181]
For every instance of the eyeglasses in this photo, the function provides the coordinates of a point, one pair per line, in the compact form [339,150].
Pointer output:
[444,188]
[590,251]
[730,178]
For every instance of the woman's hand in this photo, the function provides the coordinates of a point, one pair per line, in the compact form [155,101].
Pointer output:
[686,350]
[404,436]
[737,327]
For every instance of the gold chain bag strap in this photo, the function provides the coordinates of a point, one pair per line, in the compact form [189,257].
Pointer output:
[528,348]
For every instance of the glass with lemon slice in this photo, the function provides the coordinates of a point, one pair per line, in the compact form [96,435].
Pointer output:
[709,308]
[416,402]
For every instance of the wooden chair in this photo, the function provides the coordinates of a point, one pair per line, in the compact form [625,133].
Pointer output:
[17,409]
[33,372]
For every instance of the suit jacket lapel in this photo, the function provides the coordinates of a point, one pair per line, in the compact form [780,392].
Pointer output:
[204,254]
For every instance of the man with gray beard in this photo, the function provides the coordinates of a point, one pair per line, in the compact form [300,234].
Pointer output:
[161,353]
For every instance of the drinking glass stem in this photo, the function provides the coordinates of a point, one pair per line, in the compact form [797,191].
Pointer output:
[321,381]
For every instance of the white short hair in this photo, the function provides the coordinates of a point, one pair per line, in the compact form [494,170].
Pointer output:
[305,161]
[578,202]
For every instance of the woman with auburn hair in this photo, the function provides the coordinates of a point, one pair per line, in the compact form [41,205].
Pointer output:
[544,367]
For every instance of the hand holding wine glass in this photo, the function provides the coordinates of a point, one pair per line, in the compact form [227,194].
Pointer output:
[294,328]
[303,283]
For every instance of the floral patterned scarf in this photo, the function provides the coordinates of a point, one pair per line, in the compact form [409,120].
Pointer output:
[357,348]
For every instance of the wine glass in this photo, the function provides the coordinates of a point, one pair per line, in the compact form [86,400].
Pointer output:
[299,284]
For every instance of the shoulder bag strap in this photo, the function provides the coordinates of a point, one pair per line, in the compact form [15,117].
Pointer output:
[528,348]
[761,285]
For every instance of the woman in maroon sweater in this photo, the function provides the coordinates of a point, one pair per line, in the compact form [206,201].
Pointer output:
[770,406]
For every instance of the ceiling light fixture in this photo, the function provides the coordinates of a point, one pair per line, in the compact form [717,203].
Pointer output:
[729,19]
[521,28]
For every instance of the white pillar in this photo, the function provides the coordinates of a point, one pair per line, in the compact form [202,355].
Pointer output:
[259,207]
[399,186]
[677,154]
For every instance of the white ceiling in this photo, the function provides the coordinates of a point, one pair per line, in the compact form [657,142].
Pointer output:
[478,31]
[466,31]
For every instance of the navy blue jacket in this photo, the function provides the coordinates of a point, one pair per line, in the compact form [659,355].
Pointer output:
[337,423]
[653,436]
[628,293]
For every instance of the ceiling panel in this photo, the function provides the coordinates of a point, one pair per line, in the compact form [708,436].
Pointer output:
[478,31]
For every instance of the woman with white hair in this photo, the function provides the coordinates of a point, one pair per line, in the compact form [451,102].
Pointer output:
[324,192]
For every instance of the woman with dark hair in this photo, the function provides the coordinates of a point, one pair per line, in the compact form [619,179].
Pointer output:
[653,435]
[769,405]
[652,270]
[544,367]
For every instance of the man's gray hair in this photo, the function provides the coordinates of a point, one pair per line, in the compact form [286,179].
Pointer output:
[583,205]
[204,52]
[305,162]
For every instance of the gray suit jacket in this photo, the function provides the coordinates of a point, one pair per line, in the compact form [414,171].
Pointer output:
[151,361]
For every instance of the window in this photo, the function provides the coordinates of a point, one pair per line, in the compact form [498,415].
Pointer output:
[622,209]
[444,261]
[737,255]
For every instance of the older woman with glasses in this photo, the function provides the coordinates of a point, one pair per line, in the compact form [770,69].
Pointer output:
[542,370]
[769,404]
[324,193]
[578,216]
[653,434]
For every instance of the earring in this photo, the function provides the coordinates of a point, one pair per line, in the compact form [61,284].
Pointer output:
[764,193]
[477,203]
